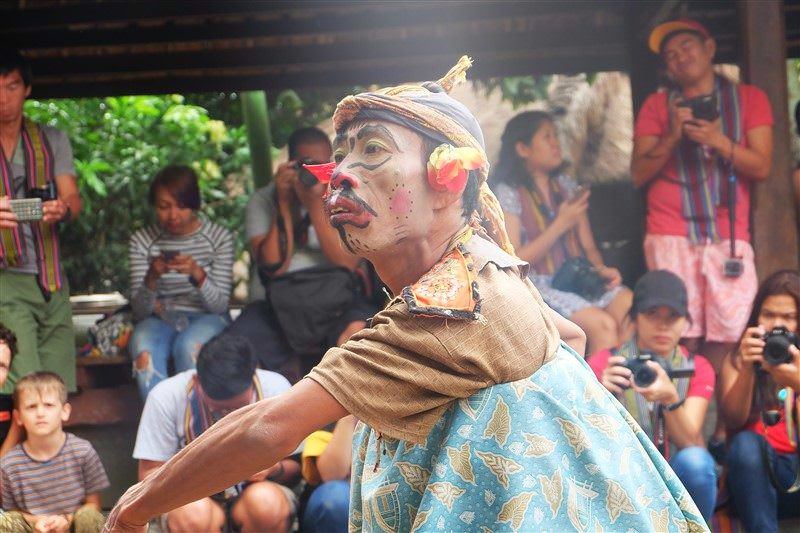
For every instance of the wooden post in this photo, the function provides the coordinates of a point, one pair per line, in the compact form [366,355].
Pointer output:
[774,213]
[259,137]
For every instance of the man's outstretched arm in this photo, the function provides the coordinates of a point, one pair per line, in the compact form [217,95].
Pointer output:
[242,443]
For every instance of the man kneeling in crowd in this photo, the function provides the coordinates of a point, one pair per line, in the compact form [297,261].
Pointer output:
[52,480]
[182,407]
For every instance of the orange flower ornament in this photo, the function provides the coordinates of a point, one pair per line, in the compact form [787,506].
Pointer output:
[448,167]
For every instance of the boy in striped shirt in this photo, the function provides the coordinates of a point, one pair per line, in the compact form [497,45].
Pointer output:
[52,480]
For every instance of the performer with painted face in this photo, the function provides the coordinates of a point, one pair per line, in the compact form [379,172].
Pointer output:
[475,413]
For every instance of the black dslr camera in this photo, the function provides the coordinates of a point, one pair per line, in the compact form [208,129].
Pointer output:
[776,345]
[45,194]
[703,107]
[644,376]
[306,178]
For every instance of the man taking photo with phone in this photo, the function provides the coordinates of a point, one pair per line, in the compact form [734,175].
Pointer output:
[698,147]
[34,295]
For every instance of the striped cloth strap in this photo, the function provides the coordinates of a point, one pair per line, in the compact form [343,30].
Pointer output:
[537,215]
[703,174]
[39,165]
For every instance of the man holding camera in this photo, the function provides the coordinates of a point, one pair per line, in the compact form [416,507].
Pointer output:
[38,190]
[697,149]
[313,300]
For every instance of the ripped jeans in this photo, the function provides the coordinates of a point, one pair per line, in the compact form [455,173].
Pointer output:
[153,342]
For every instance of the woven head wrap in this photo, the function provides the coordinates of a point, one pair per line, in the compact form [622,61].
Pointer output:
[431,112]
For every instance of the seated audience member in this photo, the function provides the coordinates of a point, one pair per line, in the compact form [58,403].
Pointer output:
[9,432]
[674,408]
[326,463]
[758,388]
[546,218]
[181,408]
[51,482]
[313,298]
[181,270]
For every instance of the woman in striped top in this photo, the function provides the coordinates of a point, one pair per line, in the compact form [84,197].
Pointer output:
[181,269]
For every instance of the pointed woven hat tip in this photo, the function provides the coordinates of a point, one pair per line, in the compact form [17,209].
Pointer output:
[457,74]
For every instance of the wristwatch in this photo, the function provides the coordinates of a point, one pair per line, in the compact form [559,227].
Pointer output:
[673,406]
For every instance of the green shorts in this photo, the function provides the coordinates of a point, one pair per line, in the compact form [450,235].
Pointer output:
[45,338]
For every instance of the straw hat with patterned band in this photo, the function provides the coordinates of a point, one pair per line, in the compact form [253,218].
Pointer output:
[662,31]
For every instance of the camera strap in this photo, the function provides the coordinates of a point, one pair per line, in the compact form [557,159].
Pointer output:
[732,207]
[791,414]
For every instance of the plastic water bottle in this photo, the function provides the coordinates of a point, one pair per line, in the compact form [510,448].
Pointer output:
[177,319]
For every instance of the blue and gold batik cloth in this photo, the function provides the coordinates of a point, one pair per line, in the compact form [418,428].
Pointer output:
[553,452]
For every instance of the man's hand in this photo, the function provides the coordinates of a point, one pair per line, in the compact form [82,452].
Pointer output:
[8,219]
[709,134]
[787,374]
[117,521]
[309,196]
[54,210]
[678,116]
[51,524]
[285,179]
[611,275]
[616,378]
[662,390]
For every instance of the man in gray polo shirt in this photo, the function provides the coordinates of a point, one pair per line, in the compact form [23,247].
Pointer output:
[34,294]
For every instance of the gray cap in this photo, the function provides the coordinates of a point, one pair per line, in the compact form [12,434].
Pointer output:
[657,288]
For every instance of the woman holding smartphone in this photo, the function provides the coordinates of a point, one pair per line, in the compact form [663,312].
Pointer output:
[547,222]
[181,272]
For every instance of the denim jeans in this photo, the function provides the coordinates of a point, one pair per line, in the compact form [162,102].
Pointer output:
[161,340]
[327,508]
[694,466]
[757,502]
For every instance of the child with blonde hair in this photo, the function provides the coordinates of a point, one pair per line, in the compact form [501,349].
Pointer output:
[51,481]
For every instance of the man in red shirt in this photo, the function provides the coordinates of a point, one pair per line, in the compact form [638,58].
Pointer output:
[685,163]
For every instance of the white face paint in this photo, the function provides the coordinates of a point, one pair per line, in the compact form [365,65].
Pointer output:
[379,195]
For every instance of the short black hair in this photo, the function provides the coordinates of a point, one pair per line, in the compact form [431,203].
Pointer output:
[7,336]
[306,136]
[181,182]
[225,366]
[11,60]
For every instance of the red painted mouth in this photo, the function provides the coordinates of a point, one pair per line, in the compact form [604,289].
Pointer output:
[343,207]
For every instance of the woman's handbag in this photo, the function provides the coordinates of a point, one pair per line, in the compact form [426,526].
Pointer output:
[579,276]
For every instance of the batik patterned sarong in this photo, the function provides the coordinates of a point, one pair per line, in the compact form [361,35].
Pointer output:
[554,452]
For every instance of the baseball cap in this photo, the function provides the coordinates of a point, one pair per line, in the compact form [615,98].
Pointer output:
[657,288]
[663,30]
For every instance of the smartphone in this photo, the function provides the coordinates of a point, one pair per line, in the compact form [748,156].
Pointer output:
[169,255]
[27,209]
[577,193]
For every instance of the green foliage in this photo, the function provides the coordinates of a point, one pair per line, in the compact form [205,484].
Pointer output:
[519,90]
[119,144]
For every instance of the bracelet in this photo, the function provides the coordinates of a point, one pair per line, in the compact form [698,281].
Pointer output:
[673,406]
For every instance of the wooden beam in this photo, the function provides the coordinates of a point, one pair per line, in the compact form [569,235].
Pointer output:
[774,213]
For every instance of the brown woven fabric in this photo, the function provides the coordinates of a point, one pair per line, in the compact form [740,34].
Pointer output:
[400,375]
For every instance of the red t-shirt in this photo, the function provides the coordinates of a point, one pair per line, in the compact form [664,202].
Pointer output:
[777,436]
[664,207]
[701,384]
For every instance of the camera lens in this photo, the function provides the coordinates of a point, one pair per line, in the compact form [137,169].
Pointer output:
[644,376]
[776,349]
